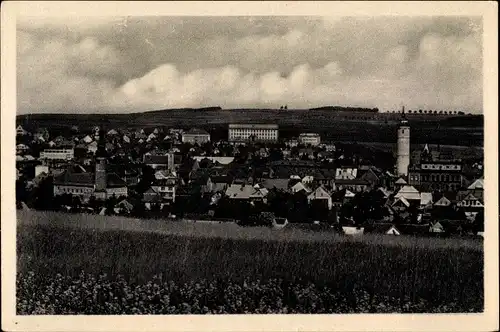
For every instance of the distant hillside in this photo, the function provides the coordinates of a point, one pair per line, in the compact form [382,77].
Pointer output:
[338,125]
[342,108]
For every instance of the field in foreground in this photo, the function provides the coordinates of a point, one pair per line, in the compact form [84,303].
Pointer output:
[181,268]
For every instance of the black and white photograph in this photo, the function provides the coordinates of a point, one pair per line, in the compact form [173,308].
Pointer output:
[250,163]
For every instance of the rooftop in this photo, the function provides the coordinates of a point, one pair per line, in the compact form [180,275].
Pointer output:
[252,126]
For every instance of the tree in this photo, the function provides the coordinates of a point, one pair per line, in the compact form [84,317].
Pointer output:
[479,222]
[44,194]
[147,179]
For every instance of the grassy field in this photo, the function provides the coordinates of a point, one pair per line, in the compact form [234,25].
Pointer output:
[445,274]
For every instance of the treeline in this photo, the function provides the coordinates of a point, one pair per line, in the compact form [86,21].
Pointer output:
[342,108]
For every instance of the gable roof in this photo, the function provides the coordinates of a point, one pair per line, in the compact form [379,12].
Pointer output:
[75,179]
[319,193]
[425,198]
[443,201]
[196,131]
[478,184]
[383,228]
[155,159]
[349,194]
[401,201]
[401,181]
[299,186]
[408,192]
[276,183]
[245,191]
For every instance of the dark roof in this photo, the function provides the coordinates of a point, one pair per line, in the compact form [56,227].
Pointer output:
[196,131]
[75,179]
[155,159]
[114,181]
[352,182]
[87,180]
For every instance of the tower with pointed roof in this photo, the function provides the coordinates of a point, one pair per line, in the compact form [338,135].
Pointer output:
[403,149]
[100,167]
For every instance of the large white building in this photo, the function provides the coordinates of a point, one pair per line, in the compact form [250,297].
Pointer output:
[253,132]
[310,139]
[196,136]
[62,153]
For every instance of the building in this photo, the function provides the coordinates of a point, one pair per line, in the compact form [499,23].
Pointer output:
[21,148]
[156,161]
[253,132]
[431,174]
[312,139]
[20,131]
[196,136]
[39,169]
[166,188]
[403,149]
[61,153]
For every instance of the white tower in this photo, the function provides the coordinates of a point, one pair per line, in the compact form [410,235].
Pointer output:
[403,154]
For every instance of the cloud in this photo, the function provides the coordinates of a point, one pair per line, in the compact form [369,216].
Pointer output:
[136,64]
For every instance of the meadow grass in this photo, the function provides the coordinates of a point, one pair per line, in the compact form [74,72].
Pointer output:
[438,270]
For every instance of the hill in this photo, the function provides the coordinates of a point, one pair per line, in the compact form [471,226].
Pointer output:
[334,125]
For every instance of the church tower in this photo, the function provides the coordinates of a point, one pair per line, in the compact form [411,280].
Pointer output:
[403,153]
[100,168]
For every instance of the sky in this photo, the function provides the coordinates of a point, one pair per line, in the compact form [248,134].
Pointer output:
[134,64]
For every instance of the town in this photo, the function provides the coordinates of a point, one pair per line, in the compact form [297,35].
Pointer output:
[253,177]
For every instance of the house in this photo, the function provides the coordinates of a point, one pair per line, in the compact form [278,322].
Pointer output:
[123,207]
[400,183]
[20,131]
[470,201]
[92,147]
[151,198]
[280,184]
[21,148]
[166,187]
[196,136]
[353,230]
[320,194]
[299,186]
[477,188]
[164,161]
[83,185]
[220,160]
[346,173]
[42,134]
[409,193]
[151,137]
[386,229]
[87,139]
[112,132]
[354,185]
[425,199]
[214,184]
[443,202]
[60,153]
[400,204]
[126,139]
[313,139]
[436,228]
[246,192]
